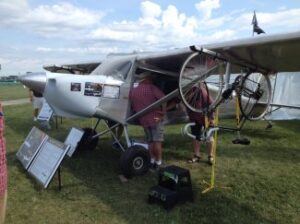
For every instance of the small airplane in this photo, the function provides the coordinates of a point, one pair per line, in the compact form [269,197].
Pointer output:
[238,69]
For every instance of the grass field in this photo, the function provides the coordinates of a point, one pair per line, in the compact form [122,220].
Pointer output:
[258,183]
[13,91]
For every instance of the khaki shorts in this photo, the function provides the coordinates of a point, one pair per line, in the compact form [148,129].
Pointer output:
[155,133]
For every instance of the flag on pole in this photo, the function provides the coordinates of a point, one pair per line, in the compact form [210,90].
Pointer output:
[256,28]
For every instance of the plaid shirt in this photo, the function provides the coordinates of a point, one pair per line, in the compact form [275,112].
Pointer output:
[3,168]
[203,100]
[141,97]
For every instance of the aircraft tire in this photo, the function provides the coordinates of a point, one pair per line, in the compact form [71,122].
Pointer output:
[86,143]
[134,161]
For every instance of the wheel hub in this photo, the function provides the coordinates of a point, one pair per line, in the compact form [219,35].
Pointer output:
[138,163]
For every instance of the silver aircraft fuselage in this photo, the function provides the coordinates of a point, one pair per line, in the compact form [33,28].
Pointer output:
[104,93]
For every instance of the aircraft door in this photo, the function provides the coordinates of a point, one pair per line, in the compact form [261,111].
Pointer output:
[113,103]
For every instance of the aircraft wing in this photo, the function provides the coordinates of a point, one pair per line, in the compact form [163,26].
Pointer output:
[267,53]
[80,68]
[273,53]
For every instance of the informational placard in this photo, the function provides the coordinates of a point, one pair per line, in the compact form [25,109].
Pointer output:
[47,161]
[93,89]
[45,113]
[31,146]
[72,139]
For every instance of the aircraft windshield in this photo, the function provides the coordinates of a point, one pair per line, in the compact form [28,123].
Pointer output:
[116,68]
[120,72]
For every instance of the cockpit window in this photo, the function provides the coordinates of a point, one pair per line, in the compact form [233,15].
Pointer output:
[116,68]
[120,72]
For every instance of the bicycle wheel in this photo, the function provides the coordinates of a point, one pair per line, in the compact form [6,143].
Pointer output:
[201,70]
[255,95]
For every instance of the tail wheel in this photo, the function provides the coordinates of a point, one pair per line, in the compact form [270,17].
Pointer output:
[87,142]
[135,161]
[255,95]
[201,70]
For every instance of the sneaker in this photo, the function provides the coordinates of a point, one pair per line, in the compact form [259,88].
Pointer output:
[210,160]
[194,159]
[153,167]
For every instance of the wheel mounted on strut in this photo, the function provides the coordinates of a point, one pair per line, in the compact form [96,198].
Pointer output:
[254,95]
[135,161]
[201,70]
[87,142]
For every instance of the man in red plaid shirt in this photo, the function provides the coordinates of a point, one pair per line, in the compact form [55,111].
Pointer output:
[141,97]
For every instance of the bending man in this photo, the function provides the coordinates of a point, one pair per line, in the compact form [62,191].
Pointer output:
[141,97]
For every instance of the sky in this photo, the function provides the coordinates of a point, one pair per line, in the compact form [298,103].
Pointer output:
[34,33]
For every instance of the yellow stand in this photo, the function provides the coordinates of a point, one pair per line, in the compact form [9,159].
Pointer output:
[211,185]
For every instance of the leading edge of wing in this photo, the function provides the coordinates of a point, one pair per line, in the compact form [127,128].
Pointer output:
[76,68]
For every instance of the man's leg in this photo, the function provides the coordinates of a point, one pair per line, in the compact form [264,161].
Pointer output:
[196,131]
[148,135]
[151,152]
[196,147]
[158,137]
[210,148]
[158,152]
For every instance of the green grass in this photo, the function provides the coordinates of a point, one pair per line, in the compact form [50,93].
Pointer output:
[12,92]
[258,183]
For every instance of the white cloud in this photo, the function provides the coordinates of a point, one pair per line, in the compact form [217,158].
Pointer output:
[150,14]
[270,22]
[110,34]
[222,35]
[48,20]
[11,8]
[4,60]
[86,50]
[282,18]
[22,65]
[150,10]
[63,14]
[207,6]
[155,28]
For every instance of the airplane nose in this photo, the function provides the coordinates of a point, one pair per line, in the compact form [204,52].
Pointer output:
[35,81]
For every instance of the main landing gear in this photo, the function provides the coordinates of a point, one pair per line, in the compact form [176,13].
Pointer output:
[135,157]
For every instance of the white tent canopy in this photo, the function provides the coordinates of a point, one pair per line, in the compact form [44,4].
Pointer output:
[287,92]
